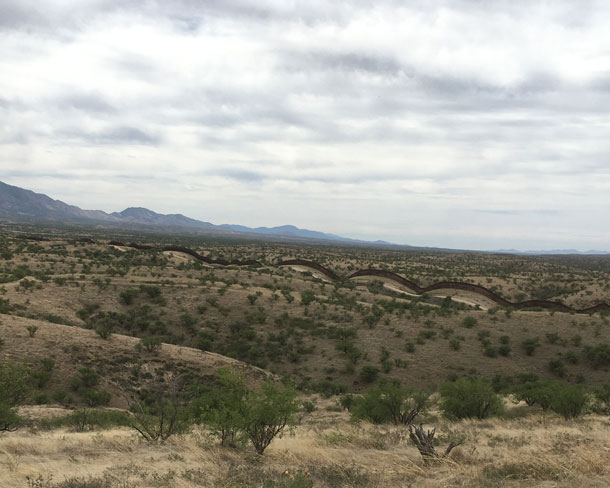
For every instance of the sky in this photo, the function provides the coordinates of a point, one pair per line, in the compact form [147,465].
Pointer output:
[464,124]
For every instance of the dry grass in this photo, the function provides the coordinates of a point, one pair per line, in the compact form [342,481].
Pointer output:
[531,451]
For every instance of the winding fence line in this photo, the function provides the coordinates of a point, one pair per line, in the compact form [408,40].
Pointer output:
[442,285]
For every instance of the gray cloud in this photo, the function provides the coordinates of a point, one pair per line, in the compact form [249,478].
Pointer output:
[346,112]
[123,135]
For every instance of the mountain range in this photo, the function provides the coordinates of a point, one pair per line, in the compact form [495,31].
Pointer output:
[21,205]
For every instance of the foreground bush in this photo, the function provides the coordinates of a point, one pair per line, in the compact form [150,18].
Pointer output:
[158,420]
[469,398]
[569,401]
[14,388]
[268,412]
[235,414]
[389,402]
[223,408]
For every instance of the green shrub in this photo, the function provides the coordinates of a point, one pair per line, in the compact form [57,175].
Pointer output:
[490,351]
[552,337]
[128,296]
[9,420]
[346,401]
[40,378]
[569,401]
[469,321]
[530,345]
[223,408]
[469,398]
[307,297]
[104,331]
[14,388]
[598,355]
[47,364]
[329,388]
[60,396]
[41,399]
[369,373]
[268,412]
[389,402]
[602,394]
[32,329]
[153,292]
[161,418]
[150,344]
[87,378]
[557,367]
[536,392]
[95,398]
[14,383]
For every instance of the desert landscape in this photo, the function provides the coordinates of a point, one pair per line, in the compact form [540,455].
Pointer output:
[304,244]
[142,319]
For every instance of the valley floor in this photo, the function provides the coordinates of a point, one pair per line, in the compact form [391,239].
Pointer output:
[535,451]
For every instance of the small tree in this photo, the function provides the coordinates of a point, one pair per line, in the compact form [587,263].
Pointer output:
[530,345]
[9,420]
[104,331]
[160,419]
[369,373]
[14,388]
[469,398]
[223,408]
[602,394]
[150,344]
[570,401]
[268,412]
[32,329]
[390,402]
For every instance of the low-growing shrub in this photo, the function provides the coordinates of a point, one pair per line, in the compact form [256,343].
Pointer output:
[389,402]
[369,373]
[530,345]
[469,398]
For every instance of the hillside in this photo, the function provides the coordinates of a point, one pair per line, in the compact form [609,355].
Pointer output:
[296,322]
[123,369]
[78,311]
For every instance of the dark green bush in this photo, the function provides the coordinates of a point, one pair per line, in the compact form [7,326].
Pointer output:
[598,356]
[530,345]
[569,401]
[389,402]
[557,367]
[128,296]
[469,398]
[602,394]
[469,321]
[268,412]
[95,398]
[369,373]
[151,344]
[223,408]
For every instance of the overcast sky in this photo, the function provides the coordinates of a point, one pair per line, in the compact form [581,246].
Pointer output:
[466,124]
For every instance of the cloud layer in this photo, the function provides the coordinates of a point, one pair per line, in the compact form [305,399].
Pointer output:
[448,123]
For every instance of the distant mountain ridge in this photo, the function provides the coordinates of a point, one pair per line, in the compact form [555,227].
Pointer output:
[19,204]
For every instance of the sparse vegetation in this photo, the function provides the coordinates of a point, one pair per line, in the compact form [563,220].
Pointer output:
[361,345]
